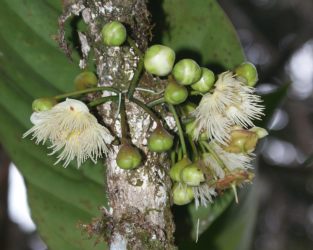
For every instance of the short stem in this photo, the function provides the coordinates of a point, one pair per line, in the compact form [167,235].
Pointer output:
[214,154]
[188,119]
[179,154]
[123,120]
[195,92]
[86,91]
[134,82]
[173,157]
[179,127]
[147,110]
[102,100]
[202,148]
[193,148]
[156,102]
[133,44]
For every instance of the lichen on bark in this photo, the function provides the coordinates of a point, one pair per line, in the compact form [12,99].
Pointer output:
[139,200]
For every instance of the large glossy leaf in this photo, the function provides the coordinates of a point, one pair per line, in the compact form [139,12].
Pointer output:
[200,30]
[31,65]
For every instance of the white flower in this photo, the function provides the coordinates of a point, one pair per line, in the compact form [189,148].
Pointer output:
[203,195]
[71,129]
[231,103]
[220,161]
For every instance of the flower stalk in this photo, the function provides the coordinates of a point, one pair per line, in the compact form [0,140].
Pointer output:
[147,110]
[86,91]
[179,128]
[155,102]
[124,126]
[102,100]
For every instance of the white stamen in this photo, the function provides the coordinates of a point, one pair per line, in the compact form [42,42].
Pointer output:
[71,129]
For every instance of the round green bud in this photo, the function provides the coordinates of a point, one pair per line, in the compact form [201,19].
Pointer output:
[175,171]
[160,140]
[188,107]
[190,130]
[85,80]
[192,175]
[159,60]
[175,93]
[128,157]
[242,141]
[114,33]
[187,72]
[43,104]
[182,194]
[247,71]
[261,132]
[206,81]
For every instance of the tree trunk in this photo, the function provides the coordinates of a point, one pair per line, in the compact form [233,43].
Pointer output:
[139,200]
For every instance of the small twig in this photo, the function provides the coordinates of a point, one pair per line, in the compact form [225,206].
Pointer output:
[102,100]
[179,127]
[146,109]
[119,104]
[150,91]
[86,91]
[155,102]
[123,120]
[134,82]
[133,44]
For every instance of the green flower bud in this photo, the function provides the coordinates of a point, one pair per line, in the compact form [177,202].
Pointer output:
[190,129]
[159,60]
[242,141]
[160,140]
[192,175]
[247,71]
[43,104]
[85,80]
[128,157]
[188,107]
[182,194]
[187,72]
[175,171]
[175,93]
[261,132]
[114,33]
[206,81]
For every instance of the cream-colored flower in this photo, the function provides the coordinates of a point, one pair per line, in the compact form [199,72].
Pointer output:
[203,195]
[72,130]
[220,161]
[231,103]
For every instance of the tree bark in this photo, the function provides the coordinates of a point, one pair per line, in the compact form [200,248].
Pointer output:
[139,200]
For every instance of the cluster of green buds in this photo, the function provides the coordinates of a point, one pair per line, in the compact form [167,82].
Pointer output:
[215,130]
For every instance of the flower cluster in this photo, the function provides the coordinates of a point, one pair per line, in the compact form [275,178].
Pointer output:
[231,103]
[218,121]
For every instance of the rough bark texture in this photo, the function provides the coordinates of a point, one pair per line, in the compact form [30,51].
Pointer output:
[139,200]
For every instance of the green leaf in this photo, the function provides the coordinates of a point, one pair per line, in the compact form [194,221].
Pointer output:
[207,215]
[31,66]
[232,230]
[199,30]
